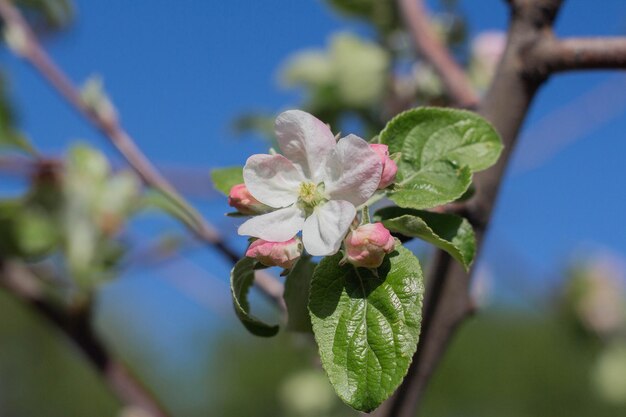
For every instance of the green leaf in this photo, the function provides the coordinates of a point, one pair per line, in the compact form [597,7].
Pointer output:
[241,279]
[12,139]
[440,149]
[367,325]
[225,178]
[297,288]
[448,232]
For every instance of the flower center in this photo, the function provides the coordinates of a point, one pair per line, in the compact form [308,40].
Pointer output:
[310,194]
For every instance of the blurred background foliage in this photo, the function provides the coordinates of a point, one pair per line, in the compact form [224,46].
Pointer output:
[67,236]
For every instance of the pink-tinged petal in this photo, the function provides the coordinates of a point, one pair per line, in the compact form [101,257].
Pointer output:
[390,168]
[353,171]
[241,199]
[305,140]
[272,179]
[277,226]
[325,229]
[283,254]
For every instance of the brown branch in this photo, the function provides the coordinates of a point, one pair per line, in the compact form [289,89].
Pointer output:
[559,55]
[434,51]
[447,302]
[75,323]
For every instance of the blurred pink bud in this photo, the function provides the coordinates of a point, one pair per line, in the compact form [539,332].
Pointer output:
[488,48]
[367,245]
[390,168]
[283,254]
[241,199]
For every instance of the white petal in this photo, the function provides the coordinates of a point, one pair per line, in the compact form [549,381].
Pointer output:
[353,171]
[305,140]
[272,179]
[277,226]
[325,229]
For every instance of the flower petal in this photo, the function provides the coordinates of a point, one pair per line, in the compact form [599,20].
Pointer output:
[272,179]
[305,140]
[277,226]
[353,171]
[325,229]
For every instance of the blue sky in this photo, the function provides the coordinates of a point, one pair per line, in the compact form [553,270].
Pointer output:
[179,72]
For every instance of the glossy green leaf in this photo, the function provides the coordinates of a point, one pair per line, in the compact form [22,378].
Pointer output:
[297,288]
[367,325]
[448,232]
[225,178]
[440,149]
[241,279]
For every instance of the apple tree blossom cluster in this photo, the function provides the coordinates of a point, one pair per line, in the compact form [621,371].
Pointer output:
[348,278]
[314,186]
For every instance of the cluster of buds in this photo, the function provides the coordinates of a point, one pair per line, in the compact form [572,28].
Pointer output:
[315,186]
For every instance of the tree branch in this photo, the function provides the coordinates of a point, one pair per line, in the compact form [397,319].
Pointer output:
[75,323]
[559,55]
[447,302]
[26,45]
[32,51]
[434,51]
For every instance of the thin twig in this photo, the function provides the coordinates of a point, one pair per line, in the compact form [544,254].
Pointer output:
[434,51]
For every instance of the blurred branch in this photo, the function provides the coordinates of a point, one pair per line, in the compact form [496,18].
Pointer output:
[25,44]
[452,75]
[31,50]
[75,323]
[559,55]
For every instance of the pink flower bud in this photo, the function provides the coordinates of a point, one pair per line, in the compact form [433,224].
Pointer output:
[367,245]
[241,199]
[390,168]
[283,254]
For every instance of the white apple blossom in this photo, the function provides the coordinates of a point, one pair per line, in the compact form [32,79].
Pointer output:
[314,186]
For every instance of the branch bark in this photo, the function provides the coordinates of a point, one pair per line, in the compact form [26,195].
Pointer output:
[557,55]
[447,302]
[434,51]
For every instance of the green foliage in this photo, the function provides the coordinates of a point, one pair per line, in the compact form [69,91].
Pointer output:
[367,324]
[53,14]
[382,14]
[440,149]
[241,279]
[96,205]
[352,71]
[10,138]
[42,374]
[448,232]
[225,178]
[297,289]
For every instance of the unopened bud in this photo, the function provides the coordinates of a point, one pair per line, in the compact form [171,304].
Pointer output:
[241,199]
[390,168]
[367,245]
[97,101]
[283,254]
[17,39]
